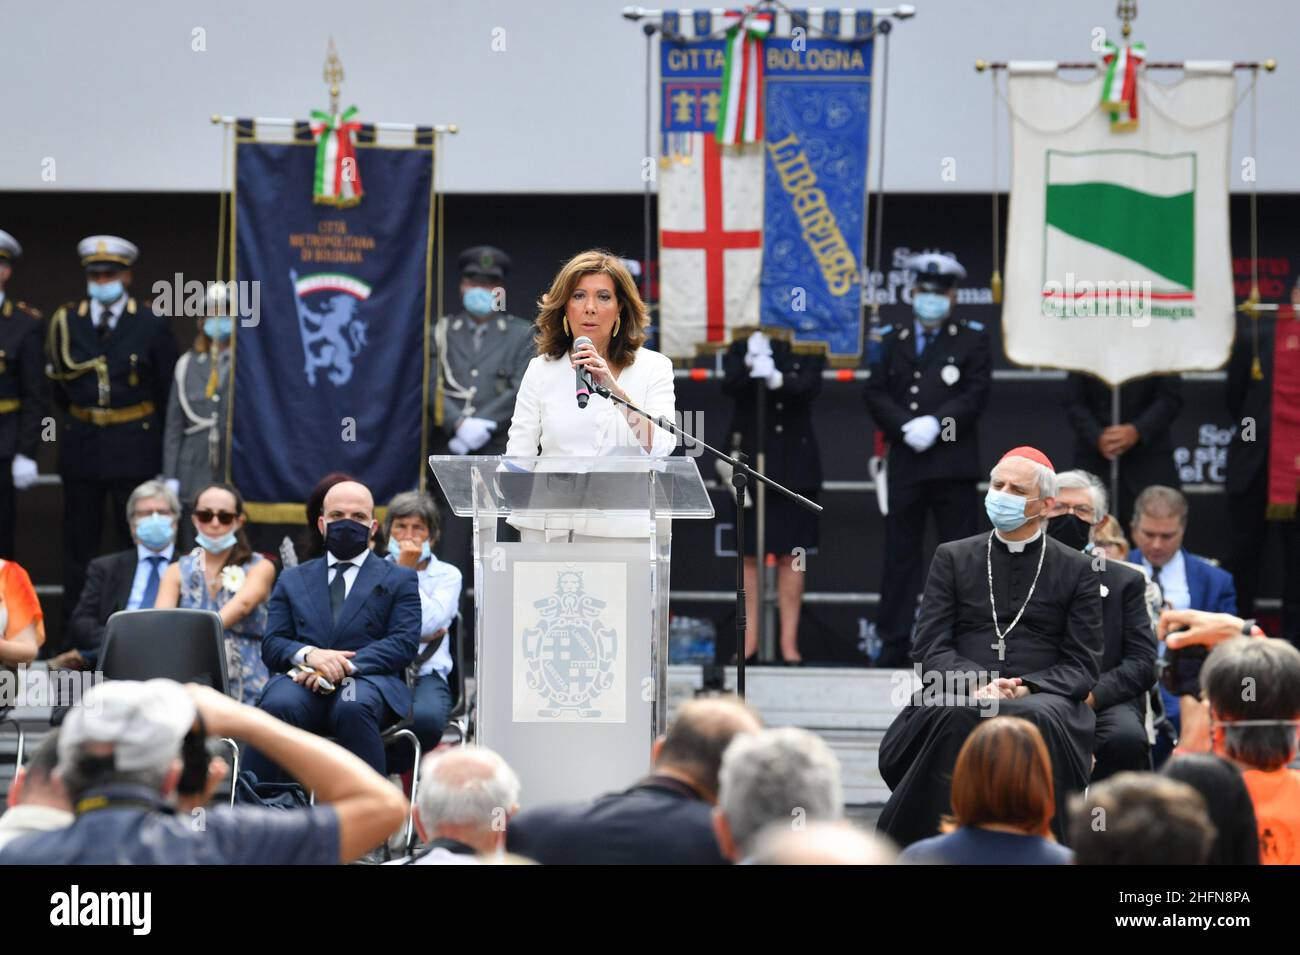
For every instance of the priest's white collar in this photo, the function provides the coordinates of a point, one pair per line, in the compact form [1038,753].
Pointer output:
[1017,546]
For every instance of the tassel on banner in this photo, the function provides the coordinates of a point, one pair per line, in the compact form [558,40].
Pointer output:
[338,179]
[1119,88]
[741,117]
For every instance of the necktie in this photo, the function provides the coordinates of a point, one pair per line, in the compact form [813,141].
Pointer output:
[338,590]
[924,341]
[151,584]
[1155,579]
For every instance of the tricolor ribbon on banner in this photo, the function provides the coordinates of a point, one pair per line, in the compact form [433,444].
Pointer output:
[1119,89]
[338,178]
[741,117]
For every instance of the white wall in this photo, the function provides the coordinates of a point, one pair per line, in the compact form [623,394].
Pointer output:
[117,97]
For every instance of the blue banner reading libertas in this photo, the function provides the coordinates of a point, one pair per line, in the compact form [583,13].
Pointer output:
[817,117]
[333,375]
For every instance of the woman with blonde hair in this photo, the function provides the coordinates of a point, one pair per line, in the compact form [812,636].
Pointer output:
[593,296]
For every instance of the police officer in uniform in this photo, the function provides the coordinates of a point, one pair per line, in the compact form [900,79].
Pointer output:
[23,395]
[927,385]
[479,356]
[111,360]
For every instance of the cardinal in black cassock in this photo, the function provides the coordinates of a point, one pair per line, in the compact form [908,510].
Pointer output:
[1039,661]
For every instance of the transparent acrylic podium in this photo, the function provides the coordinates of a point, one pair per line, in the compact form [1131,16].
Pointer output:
[571,632]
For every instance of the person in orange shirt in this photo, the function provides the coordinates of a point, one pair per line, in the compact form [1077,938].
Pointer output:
[22,623]
[1250,714]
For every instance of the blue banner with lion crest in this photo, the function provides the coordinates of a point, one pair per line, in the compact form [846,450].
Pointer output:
[332,374]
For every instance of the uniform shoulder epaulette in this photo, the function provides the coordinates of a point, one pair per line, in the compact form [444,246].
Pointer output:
[973,325]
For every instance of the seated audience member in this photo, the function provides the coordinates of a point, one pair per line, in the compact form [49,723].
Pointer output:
[665,819]
[779,776]
[225,576]
[123,753]
[22,623]
[822,843]
[311,543]
[412,528]
[127,579]
[1185,580]
[1002,802]
[1256,730]
[352,616]
[1140,819]
[37,799]
[1109,536]
[467,796]
[1128,663]
[1228,800]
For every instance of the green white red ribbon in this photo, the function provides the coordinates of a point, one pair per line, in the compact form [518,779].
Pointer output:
[338,178]
[741,118]
[1119,95]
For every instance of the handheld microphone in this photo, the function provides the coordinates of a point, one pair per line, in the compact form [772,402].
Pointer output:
[582,388]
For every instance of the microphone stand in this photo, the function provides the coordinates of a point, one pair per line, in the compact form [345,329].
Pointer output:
[740,476]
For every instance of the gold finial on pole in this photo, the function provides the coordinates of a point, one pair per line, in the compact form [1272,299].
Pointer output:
[1127,11]
[981,66]
[333,75]
[1270,64]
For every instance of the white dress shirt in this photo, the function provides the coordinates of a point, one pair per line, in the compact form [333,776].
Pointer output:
[352,570]
[142,569]
[1173,581]
[547,416]
[439,599]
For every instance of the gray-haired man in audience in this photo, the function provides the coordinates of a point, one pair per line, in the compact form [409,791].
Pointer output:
[785,775]
[467,796]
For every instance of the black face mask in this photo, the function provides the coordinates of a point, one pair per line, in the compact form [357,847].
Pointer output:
[346,538]
[1069,530]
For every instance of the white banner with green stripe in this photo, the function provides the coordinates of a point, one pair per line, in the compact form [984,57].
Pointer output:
[1118,259]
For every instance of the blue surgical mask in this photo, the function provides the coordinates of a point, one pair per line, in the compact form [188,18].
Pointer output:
[1006,511]
[105,292]
[215,545]
[218,328]
[478,301]
[931,307]
[155,531]
[395,548]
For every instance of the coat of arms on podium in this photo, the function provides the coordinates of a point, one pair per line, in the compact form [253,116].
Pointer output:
[570,621]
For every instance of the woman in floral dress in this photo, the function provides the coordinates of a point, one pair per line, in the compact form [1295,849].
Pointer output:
[223,574]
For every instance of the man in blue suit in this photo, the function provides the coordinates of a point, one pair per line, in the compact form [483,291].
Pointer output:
[1185,580]
[354,619]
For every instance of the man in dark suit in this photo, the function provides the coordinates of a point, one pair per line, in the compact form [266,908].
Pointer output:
[1142,442]
[927,385]
[126,580]
[340,632]
[1250,402]
[1128,663]
[666,819]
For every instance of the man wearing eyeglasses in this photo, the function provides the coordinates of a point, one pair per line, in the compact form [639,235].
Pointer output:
[1128,662]
[126,580]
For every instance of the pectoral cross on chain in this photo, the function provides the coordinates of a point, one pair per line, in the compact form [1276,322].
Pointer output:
[1001,647]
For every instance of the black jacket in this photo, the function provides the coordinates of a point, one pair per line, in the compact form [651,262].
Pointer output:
[950,380]
[659,821]
[106,591]
[1128,662]
[1150,405]
[22,378]
[141,354]
[1248,398]
[789,444]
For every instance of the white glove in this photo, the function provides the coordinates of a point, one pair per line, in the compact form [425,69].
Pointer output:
[763,366]
[775,380]
[919,433]
[758,344]
[457,446]
[24,472]
[172,485]
[475,432]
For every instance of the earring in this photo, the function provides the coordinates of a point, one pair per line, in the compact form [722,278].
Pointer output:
[565,320]
[618,321]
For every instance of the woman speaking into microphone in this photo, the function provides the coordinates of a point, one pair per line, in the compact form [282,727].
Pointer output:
[591,319]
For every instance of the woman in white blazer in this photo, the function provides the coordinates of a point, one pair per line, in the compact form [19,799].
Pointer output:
[593,295]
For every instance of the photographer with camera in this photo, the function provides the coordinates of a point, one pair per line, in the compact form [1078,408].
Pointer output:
[132,753]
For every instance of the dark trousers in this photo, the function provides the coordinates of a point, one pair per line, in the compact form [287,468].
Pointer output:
[8,498]
[83,527]
[355,723]
[1120,744]
[955,507]
[431,704]
[1250,531]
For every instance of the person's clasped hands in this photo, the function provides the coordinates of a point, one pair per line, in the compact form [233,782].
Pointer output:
[760,361]
[920,433]
[471,434]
